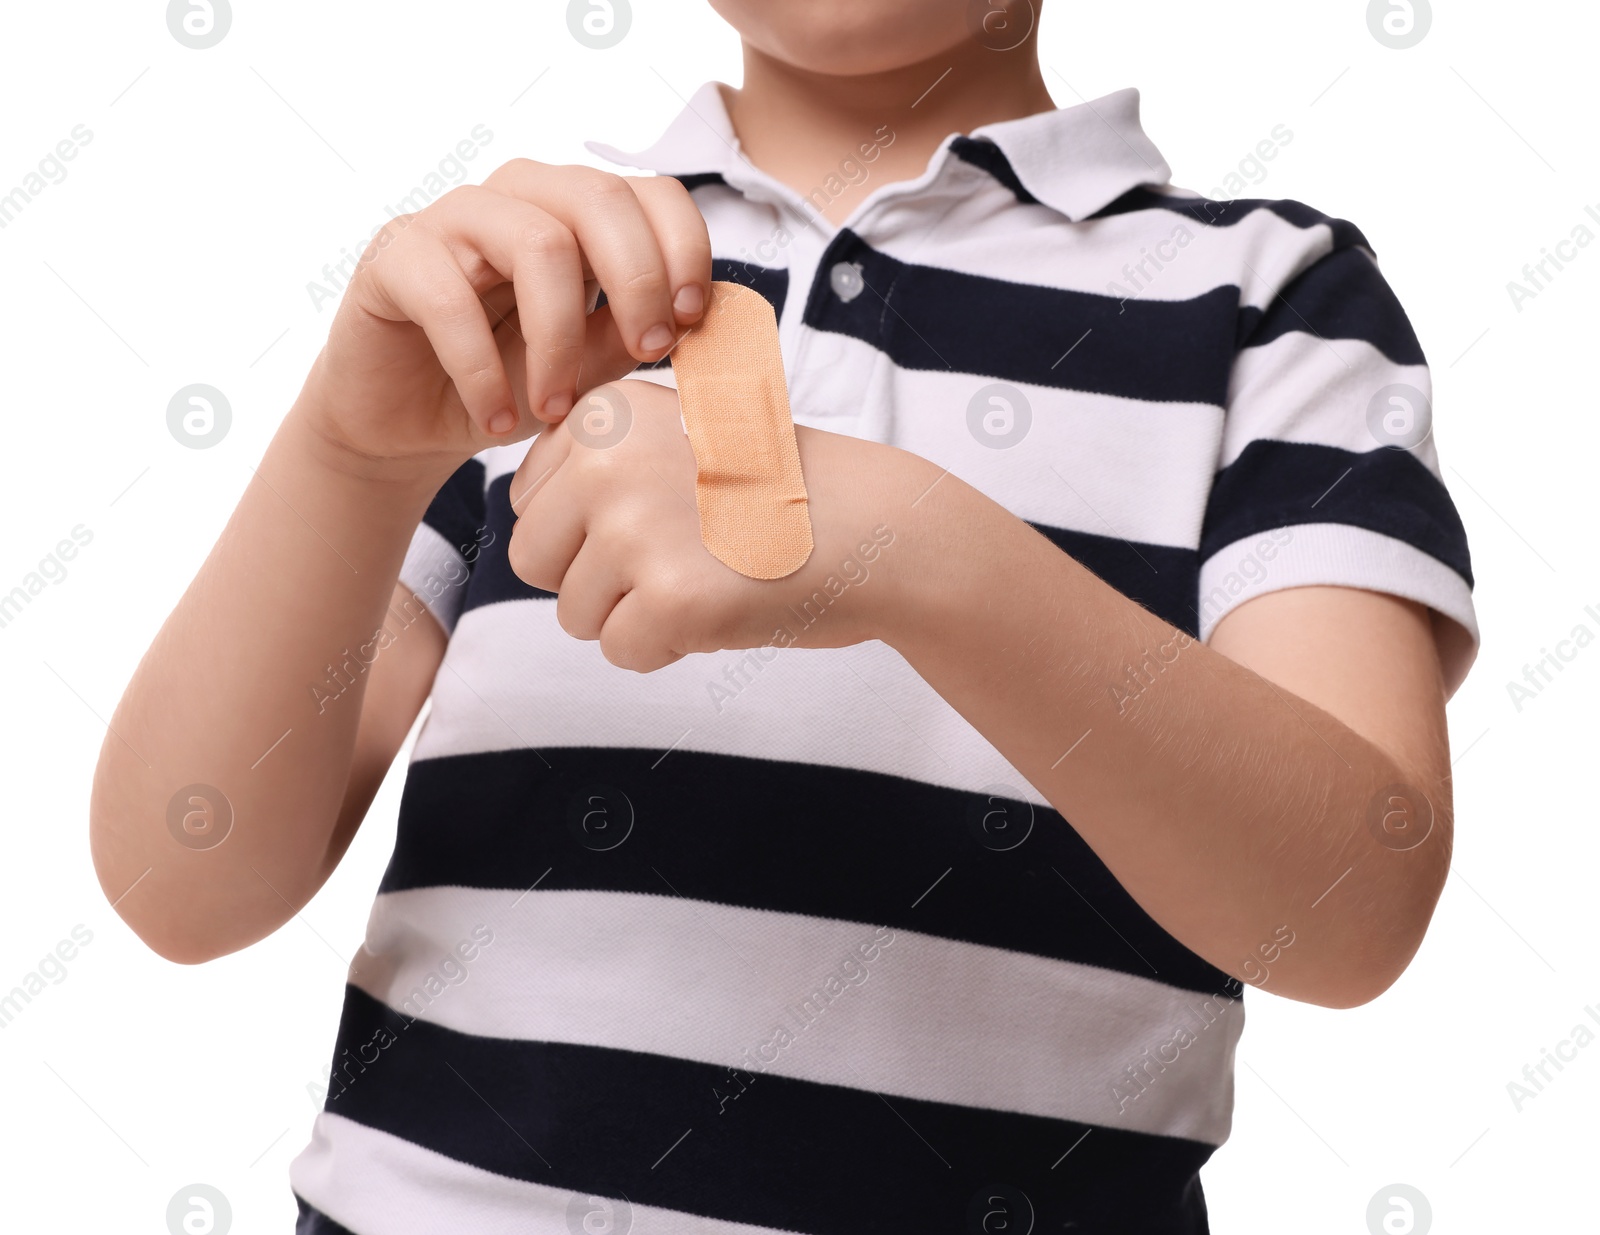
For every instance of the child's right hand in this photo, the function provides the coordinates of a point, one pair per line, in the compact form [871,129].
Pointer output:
[464,325]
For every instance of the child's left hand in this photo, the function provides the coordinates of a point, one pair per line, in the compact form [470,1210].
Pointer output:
[606,518]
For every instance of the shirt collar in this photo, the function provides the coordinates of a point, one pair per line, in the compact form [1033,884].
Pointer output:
[1074,159]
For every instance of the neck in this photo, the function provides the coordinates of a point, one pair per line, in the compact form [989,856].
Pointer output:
[807,130]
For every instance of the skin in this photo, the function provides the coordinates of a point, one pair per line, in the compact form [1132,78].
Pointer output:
[816,88]
[1231,795]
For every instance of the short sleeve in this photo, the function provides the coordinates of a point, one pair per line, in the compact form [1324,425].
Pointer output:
[1329,468]
[444,547]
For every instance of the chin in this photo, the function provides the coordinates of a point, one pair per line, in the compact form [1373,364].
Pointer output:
[848,38]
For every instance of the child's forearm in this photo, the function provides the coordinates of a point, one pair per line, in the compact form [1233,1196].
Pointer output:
[1225,805]
[235,695]
[244,692]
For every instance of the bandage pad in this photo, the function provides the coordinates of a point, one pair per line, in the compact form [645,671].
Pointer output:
[754,513]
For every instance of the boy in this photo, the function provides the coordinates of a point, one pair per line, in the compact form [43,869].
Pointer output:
[731,905]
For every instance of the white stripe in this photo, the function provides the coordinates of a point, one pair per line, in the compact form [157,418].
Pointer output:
[755,233]
[498,460]
[1336,554]
[1083,156]
[436,572]
[1300,388]
[372,1181]
[1120,468]
[980,230]
[519,680]
[919,1016]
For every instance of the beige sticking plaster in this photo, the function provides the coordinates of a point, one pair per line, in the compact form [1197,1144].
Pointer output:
[754,513]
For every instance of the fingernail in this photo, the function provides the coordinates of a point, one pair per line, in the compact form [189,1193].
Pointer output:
[656,338]
[502,422]
[689,300]
[556,406]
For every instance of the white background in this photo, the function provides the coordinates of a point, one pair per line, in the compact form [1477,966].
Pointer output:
[217,184]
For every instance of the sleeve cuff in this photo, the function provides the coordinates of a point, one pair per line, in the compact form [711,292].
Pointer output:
[1340,555]
[436,574]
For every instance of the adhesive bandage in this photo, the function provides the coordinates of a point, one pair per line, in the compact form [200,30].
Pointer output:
[754,514]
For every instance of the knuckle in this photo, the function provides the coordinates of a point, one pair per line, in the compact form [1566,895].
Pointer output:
[527,564]
[447,301]
[544,237]
[596,471]
[602,190]
[562,352]
[429,222]
[480,378]
[381,240]
[681,225]
[624,646]
[390,237]
[662,186]
[646,282]
[511,169]
[575,624]
[527,487]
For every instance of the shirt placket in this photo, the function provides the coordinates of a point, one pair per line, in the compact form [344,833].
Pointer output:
[834,382]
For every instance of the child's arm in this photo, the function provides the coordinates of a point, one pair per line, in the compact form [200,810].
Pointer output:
[397,686]
[461,317]
[1263,780]
[1246,787]
[299,579]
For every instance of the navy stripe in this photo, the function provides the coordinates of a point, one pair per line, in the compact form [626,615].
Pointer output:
[1279,484]
[457,510]
[1163,578]
[791,837]
[925,317]
[985,154]
[1272,484]
[790,1154]
[771,281]
[1227,212]
[312,1221]
[493,580]
[1343,296]
[694,180]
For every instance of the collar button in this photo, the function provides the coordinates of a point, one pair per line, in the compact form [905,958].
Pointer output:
[846,281]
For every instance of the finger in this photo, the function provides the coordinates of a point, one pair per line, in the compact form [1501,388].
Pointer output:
[546,453]
[500,303]
[548,534]
[618,243]
[427,286]
[589,592]
[498,238]
[541,553]
[685,242]
[605,356]
[631,639]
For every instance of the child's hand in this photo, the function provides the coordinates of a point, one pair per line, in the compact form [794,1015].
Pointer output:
[613,529]
[465,321]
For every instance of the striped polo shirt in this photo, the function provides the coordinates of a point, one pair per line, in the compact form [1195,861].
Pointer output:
[775,940]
